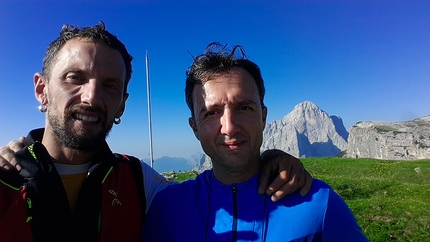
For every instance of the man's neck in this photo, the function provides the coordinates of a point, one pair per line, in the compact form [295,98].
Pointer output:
[230,176]
[64,155]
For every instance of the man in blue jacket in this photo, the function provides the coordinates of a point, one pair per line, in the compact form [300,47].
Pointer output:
[225,94]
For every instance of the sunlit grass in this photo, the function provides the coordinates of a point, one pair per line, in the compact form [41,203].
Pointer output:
[390,199]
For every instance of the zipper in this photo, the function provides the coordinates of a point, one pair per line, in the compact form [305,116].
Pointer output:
[234,226]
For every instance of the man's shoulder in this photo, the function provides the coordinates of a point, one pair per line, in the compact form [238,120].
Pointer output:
[318,195]
[128,159]
[319,184]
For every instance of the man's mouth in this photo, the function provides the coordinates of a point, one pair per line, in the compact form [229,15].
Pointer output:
[86,118]
[233,145]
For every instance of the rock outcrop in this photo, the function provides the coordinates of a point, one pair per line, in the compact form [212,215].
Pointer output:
[307,131]
[409,140]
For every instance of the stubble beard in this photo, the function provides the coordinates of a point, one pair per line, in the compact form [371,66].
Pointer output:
[82,140]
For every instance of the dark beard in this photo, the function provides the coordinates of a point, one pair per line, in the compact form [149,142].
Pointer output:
[85,141]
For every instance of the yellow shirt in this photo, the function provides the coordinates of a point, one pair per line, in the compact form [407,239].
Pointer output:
[72,177]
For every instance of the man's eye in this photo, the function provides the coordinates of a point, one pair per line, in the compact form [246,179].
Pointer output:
[111,86]
[245,108]
[75,78]
[210,113]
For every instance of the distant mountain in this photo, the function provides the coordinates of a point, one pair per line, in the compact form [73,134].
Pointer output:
[307,131]
[167,163]
[195,159]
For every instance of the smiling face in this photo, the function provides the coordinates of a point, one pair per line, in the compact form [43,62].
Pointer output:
[229,122]
[84,94]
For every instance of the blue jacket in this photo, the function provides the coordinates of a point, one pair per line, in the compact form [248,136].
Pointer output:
[206,210]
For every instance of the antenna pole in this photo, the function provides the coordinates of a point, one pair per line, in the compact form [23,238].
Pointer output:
[151,157]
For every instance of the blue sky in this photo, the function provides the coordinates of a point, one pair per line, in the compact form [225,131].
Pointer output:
[361,60]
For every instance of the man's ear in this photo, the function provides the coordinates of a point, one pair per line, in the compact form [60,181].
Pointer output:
[264,116]
[122,107]
[193,127]
[40,88]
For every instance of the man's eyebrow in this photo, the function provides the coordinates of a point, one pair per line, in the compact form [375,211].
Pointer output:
[84,71]
[240,103]
[201,111]
[248,102]
[74,70]
[115,79]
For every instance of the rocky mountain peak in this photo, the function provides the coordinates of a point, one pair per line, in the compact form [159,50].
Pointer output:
[307,107]
[307,131]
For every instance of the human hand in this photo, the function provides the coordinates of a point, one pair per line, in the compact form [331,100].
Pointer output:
[7,154]
[291,175]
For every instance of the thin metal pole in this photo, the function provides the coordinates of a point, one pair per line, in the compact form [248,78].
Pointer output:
[149,110]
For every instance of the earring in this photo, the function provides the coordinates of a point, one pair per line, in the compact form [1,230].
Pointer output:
[117,121]
[43,108]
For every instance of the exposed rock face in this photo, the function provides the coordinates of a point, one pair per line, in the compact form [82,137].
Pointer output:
[409,140]
[306,132]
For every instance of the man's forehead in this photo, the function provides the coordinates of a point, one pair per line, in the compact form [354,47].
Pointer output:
[78,44]
[225,91]
[235,72]
[84,52]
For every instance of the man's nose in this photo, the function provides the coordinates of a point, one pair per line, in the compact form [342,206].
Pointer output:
[92,93]
[229,123]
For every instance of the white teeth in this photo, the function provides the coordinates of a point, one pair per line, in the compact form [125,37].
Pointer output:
[86,118]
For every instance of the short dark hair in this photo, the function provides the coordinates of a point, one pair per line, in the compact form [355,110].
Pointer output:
[218,58]
[94,33]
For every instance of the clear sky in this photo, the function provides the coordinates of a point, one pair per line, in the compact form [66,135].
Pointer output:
[361,60]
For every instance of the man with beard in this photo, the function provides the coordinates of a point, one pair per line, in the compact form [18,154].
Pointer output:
[70,186]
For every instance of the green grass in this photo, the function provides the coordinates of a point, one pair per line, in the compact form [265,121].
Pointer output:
[384,129]
[180,176]
[390,200]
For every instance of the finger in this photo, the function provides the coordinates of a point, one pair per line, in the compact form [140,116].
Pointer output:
[286,172]
[278,182]
[284,190]
[22,139]
[296,182]
[308,184]
[4,165]
[8,160]
[264,178]
[16,145]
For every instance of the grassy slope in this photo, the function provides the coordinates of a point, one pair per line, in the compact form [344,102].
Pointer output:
[390,200]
